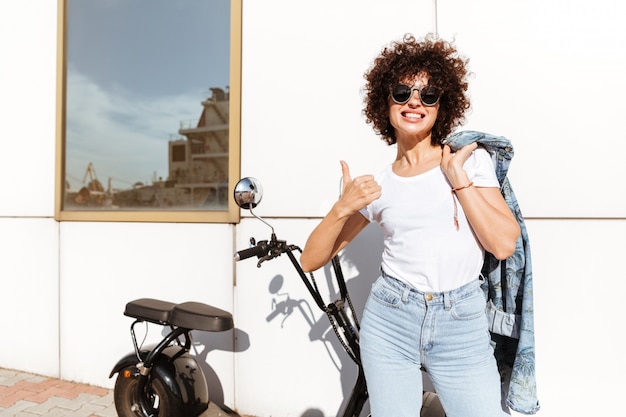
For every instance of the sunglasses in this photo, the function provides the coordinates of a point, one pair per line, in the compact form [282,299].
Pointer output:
[429,95]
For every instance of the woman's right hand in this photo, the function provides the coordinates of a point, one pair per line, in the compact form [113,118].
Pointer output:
[342,223]
[356,193]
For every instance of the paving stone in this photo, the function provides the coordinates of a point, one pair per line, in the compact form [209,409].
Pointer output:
[27,414]
[27,395]
[105,400]
[109,411]
[44,408]
[54,412]
[86,410]
[16,408]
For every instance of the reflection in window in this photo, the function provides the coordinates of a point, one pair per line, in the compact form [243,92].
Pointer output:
[147,105]
[197,170]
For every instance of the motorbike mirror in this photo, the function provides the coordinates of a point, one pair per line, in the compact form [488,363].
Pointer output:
[248,193]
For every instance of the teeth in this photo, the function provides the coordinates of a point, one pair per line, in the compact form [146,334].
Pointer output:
[414,116]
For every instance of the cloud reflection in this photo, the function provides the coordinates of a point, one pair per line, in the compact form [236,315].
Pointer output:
[124,135]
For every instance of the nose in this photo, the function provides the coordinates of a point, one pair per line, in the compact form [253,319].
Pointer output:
[415,97]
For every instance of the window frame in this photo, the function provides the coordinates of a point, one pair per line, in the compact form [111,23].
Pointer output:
[230,215]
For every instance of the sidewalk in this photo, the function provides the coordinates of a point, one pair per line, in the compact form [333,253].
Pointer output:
[27,395]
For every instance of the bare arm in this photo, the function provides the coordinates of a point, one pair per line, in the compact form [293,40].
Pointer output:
[491,219]
[342,223]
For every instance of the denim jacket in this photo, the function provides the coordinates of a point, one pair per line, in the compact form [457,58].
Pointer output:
[509,289]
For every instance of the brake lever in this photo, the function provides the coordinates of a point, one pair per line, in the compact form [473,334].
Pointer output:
[263,259]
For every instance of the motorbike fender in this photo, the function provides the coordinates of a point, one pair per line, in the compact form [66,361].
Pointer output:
[179,372]
[126,361]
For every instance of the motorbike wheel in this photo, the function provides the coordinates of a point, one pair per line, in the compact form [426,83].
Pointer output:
[126,400]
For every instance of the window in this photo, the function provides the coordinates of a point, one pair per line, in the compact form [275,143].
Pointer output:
[148,121]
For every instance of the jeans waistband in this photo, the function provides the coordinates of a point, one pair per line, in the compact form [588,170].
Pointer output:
[444,297]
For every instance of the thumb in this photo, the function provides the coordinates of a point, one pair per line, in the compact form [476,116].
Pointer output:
[345,177]
[345,170]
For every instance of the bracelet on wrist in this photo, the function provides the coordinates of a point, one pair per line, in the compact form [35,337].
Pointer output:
[456,210]
[463,187]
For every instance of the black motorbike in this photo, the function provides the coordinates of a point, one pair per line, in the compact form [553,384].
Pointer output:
[164,379]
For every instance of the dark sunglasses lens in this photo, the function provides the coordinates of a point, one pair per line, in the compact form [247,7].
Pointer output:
[401,93]
[429,96]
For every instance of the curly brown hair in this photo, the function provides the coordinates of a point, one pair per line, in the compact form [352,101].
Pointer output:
[405,59]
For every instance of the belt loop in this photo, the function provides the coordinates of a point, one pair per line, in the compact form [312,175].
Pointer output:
[446,301]
[405,293]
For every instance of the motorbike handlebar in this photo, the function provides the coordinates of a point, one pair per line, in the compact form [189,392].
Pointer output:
[259,250]
[265,250]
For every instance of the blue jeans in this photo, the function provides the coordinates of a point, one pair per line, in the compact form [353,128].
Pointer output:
[446,334]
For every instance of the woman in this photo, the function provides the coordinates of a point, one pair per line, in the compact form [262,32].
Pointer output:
[439,211]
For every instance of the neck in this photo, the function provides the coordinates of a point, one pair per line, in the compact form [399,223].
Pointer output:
[416,158]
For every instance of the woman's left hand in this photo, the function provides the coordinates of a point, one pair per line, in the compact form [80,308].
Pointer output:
[491,219]
[452,164]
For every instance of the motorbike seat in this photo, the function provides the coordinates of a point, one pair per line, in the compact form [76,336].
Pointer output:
[149,309]
[199,316]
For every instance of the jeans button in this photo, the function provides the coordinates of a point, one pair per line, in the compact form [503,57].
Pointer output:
[429,297]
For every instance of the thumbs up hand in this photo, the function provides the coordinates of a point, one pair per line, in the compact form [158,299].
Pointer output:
[358,192]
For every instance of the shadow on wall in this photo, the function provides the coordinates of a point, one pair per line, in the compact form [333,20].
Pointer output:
[363,256]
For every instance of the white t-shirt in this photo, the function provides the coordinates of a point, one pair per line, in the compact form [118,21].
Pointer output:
[423,246]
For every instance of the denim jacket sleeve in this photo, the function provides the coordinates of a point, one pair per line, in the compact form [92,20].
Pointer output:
[509,288]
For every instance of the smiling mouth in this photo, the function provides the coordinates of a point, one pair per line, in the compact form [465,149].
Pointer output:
[413,115]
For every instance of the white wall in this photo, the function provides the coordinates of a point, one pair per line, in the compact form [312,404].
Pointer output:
[29,294]
[548,75]
[579,279]
[29,237]
[105,265]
